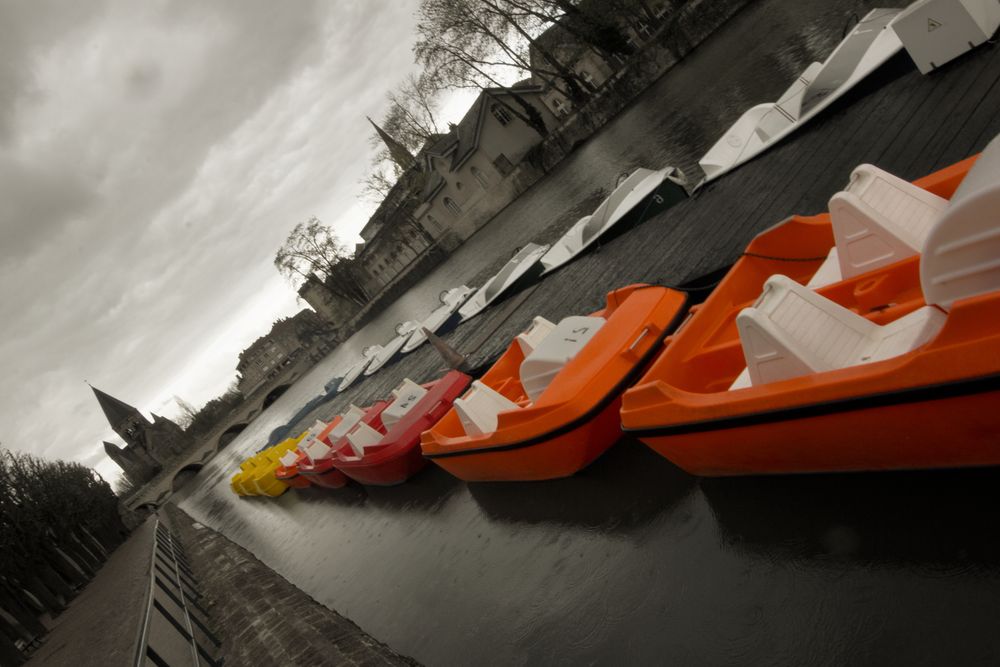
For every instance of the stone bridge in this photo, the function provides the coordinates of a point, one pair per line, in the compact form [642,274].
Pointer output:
[155,492]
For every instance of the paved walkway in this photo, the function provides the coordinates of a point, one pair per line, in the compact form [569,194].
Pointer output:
[102,625]
[261,618]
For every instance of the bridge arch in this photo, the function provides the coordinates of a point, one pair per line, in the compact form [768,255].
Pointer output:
[182,476]
[230,434]
[273,395]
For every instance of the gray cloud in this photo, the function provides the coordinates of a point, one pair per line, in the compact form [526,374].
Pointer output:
[152,159]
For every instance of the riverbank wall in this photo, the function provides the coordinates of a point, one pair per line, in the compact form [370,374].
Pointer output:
[260,617]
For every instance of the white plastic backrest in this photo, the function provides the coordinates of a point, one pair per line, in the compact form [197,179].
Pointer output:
[314,430]
[880,219]
[361,436]
[348,419]
[563,343]
[315,449]
[405,396]
[828,272]
[531,337]
[961,256]
[289,459]
[793,331]
[477,410]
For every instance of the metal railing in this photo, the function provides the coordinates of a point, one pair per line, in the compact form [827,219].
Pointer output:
[175,629]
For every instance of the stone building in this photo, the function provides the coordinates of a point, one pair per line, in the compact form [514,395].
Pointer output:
[589,65]
[148,444]
[328,305]
[467,170]
[288,339]
[447,191]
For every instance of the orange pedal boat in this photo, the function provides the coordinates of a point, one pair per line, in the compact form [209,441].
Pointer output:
[549,406]
[897,367]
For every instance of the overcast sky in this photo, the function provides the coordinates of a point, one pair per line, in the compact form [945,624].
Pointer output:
[153,156]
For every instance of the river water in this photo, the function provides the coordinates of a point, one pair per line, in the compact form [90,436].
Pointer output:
[632,560]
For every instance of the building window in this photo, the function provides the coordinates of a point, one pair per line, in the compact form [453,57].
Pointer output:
[432,220]
[503,165]
[560,108]
[481,177]
[452,207]
[587,78]
[458,185]
[501,114]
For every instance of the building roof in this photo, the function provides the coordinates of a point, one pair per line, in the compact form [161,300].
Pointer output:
[115,410]
[470,128]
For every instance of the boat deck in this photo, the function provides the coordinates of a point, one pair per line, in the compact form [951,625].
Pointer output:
[898,119]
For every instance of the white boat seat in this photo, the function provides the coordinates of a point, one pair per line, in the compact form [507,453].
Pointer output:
[405,396]
[477,410]
[961,256]
[288,459]
[315,449]
[563,343]
[793,331]
[531,337]
[361,436]
[348,419]
[880,219]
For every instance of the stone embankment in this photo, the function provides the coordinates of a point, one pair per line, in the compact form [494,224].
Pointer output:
[260,617]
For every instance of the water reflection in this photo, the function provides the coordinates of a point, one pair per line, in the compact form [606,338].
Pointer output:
[928,517]
[628,487]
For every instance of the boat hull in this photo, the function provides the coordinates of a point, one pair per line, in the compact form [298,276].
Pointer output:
[550,456]
[525,268]
[291,476]
[398,457]
[576,418]
[323,473]
[946,432]
[927,408]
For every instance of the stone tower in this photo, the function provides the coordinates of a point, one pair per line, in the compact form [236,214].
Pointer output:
[148,444]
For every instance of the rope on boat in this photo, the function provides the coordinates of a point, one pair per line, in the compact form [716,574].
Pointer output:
[783,259]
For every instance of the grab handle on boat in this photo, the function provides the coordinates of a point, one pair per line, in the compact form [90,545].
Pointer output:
[633,350]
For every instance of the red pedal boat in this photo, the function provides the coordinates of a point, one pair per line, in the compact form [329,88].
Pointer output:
[549,406]
[387,452]
[317,463]
[888,367]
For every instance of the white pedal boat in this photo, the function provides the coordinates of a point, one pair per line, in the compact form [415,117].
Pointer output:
[641,195]
[522,268]
[355,370]
[867,47]
[441,318]
[383,354]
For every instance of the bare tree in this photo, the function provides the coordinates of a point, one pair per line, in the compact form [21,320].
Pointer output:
[410,119]
[314,248]
[467,44]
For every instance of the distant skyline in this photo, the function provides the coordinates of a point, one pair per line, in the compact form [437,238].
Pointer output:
[153,157]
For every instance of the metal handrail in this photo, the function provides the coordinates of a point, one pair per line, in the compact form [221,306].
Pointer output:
[184,631]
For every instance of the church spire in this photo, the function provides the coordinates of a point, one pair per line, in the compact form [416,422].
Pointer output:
[400,155]
[117,412]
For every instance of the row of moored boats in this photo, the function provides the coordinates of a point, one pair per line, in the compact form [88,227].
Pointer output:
[865,338]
